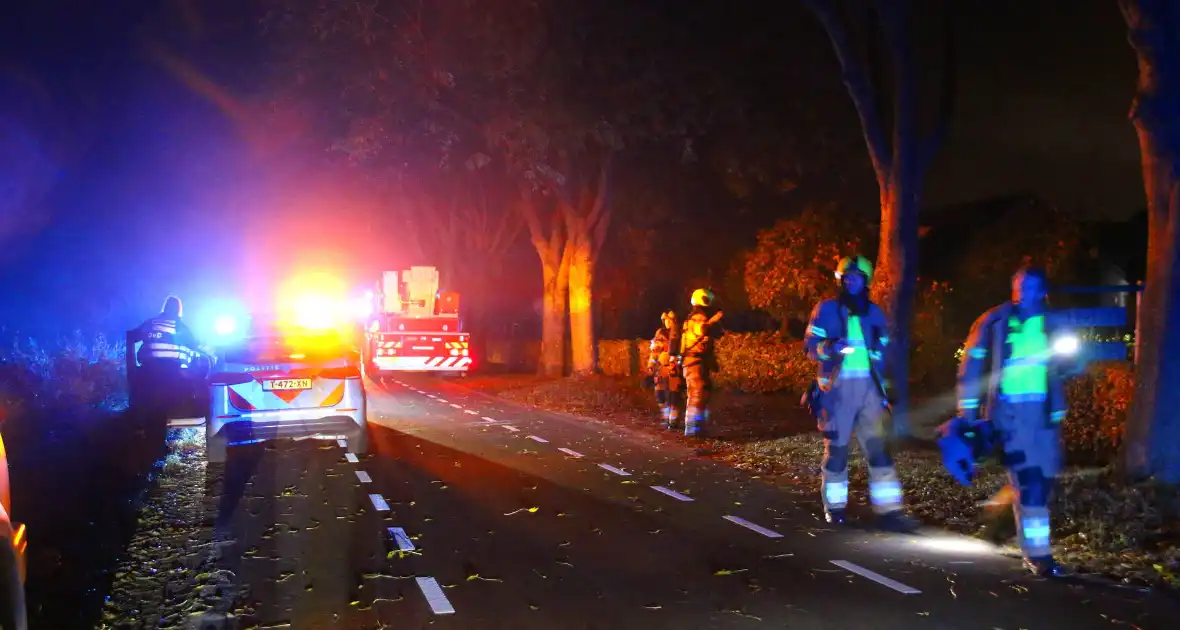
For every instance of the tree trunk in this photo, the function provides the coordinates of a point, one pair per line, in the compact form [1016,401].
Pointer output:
[581,292]
[895,283]
[1152,437]
[555,264]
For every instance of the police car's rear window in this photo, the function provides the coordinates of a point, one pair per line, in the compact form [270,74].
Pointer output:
[290,349]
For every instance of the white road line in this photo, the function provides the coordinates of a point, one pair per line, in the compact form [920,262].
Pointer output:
[342,443]
[379,502]
[456,406]
[510,428]
[399,536]
[363,477]
[570,452]
[876,577]
[737,520]
[538,439]
[435,597]
[471,411]
[351,458]
[672,493]
[490,419]
[432,396]
[617,471]
[442,400]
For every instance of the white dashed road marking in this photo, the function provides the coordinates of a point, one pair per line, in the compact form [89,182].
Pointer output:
[363,477]
[876,577]
[617,471]
[570,452]
[435,597]
[351,458]
[510,428]
[737,520]
[442,400]
[456,406]
[490,419]
[538,439]
[342,443]
[471,411]
[672,493]
[432,396]
[403,541]
[379,503]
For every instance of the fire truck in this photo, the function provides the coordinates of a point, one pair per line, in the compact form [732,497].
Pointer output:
[414,327]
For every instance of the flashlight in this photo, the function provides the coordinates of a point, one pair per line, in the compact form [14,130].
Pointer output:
[1065,345]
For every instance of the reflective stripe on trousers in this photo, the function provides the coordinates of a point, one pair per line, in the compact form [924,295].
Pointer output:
[1034,529]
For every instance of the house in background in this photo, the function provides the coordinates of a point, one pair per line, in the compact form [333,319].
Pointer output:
[1110,253]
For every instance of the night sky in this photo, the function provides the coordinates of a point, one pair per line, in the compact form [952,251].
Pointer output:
[150,185]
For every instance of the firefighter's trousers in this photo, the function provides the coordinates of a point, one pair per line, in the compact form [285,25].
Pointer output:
[1032,454]
[855,405]
[670,396]
[698,380]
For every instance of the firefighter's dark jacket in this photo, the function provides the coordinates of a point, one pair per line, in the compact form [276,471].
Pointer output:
[829,322]
[984,354]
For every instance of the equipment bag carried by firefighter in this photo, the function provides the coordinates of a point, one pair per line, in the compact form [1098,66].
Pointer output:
[812,399]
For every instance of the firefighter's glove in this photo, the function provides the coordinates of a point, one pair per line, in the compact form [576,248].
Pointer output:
[958,442]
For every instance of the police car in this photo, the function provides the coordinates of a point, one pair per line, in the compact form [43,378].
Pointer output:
[285,379]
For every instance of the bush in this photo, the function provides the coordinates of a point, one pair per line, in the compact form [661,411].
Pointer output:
[1098,404]
[791,267]
[934,357]
[754,362]
[72,374]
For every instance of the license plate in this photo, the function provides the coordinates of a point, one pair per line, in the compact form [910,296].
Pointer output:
[286,384]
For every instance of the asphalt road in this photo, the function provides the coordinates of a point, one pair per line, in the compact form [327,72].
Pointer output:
[508,517]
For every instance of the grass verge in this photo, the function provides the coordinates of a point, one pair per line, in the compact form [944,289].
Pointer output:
[1101,524]
[166,578]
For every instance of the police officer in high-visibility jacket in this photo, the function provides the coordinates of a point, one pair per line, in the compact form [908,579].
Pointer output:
[1012,373]
[847,337]
[699,358]
[168,345]
[663,367]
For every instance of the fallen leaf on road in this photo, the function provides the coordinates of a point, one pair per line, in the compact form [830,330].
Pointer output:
[728,571]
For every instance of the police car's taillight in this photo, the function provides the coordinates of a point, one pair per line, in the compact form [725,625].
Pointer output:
[229,378]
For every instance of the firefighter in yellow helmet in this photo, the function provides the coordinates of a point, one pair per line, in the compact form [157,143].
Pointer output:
[699,358]
[847,337]
[664,369]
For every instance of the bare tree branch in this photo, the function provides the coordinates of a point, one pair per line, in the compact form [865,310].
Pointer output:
[859,87]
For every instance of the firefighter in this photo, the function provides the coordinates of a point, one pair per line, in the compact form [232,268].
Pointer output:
[847,337]
[699,360]
[1012,377]
[664,369]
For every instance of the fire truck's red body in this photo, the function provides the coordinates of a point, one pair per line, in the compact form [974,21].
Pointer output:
[414,327]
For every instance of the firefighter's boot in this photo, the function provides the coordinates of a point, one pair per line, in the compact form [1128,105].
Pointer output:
[1044,567]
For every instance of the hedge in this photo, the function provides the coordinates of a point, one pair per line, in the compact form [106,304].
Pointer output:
[1098,404]
[753,362]
[765,362]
